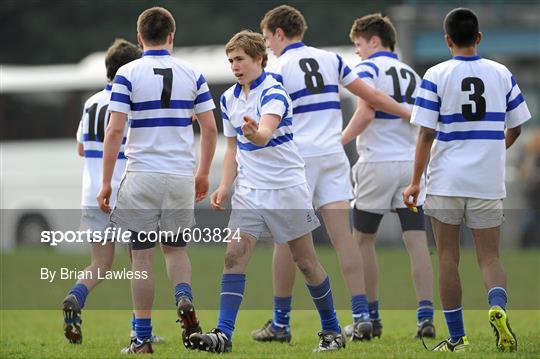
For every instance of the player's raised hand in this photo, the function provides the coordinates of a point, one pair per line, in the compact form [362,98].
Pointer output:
[410,196]
[250,127]
[218,198]
[201,187]
[103,198]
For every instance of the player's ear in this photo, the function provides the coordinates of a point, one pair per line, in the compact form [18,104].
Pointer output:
[170,38]
[139,40]
[449,41]
[478,38]
[281,34]
[375,41]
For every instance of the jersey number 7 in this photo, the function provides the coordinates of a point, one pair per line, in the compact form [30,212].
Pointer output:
[167,86]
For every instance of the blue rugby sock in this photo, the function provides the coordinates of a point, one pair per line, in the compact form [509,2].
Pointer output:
[322,297]
[282,311]
[374,310]
[425,310]
[360,309]
[497,296]
[133,321]
[232,292]
[454,321]
[183,290]
[143,328]
[80,291]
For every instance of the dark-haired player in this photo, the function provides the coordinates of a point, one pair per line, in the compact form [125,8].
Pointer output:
[471,110]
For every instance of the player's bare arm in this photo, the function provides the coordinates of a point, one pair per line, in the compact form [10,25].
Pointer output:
[111,146]
[360,120]
[423,148]
[511,135]
[378,99]
[80,149]
[208,127]
[219,197]
[260,134]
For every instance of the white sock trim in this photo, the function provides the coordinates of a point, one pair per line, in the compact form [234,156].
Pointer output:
[452,310]
[280,325]
[493,288]
[322,296]
[232,293]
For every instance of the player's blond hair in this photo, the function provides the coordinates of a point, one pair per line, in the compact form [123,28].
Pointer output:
[251,42]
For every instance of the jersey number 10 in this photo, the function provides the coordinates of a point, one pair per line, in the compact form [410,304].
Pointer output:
[97,133]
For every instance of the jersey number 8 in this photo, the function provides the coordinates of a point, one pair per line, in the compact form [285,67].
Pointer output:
[313,78]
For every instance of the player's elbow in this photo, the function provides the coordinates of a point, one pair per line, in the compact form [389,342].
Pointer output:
[113,132]
[263,137]
[427,134]
[80,149]
[209,131]
[515,131]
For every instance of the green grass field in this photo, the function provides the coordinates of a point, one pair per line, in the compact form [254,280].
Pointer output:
[31,323]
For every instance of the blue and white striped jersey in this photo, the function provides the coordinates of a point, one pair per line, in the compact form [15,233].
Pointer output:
[311,77]
[388,137]
[160,94]
[278,164]
[91,133]
[469,101]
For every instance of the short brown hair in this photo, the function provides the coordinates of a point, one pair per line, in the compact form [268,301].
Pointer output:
[375,25]
[155,24]
[251,42]
[120,53]
[286,17]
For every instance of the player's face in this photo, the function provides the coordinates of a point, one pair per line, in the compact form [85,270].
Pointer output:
[244,67]
[363,48]
[271,41]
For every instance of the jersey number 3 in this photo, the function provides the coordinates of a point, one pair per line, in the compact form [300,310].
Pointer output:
[476,87]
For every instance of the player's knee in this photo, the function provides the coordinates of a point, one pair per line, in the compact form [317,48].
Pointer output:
[142,257]
[233,256]
[104,264]
[487,261]
[366,239]
[350,267]
[306,265]
[231,260]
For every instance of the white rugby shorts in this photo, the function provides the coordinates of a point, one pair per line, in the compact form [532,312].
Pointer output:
[476,213]
[379,186]
[147,200]
[329,178]
[285,214]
